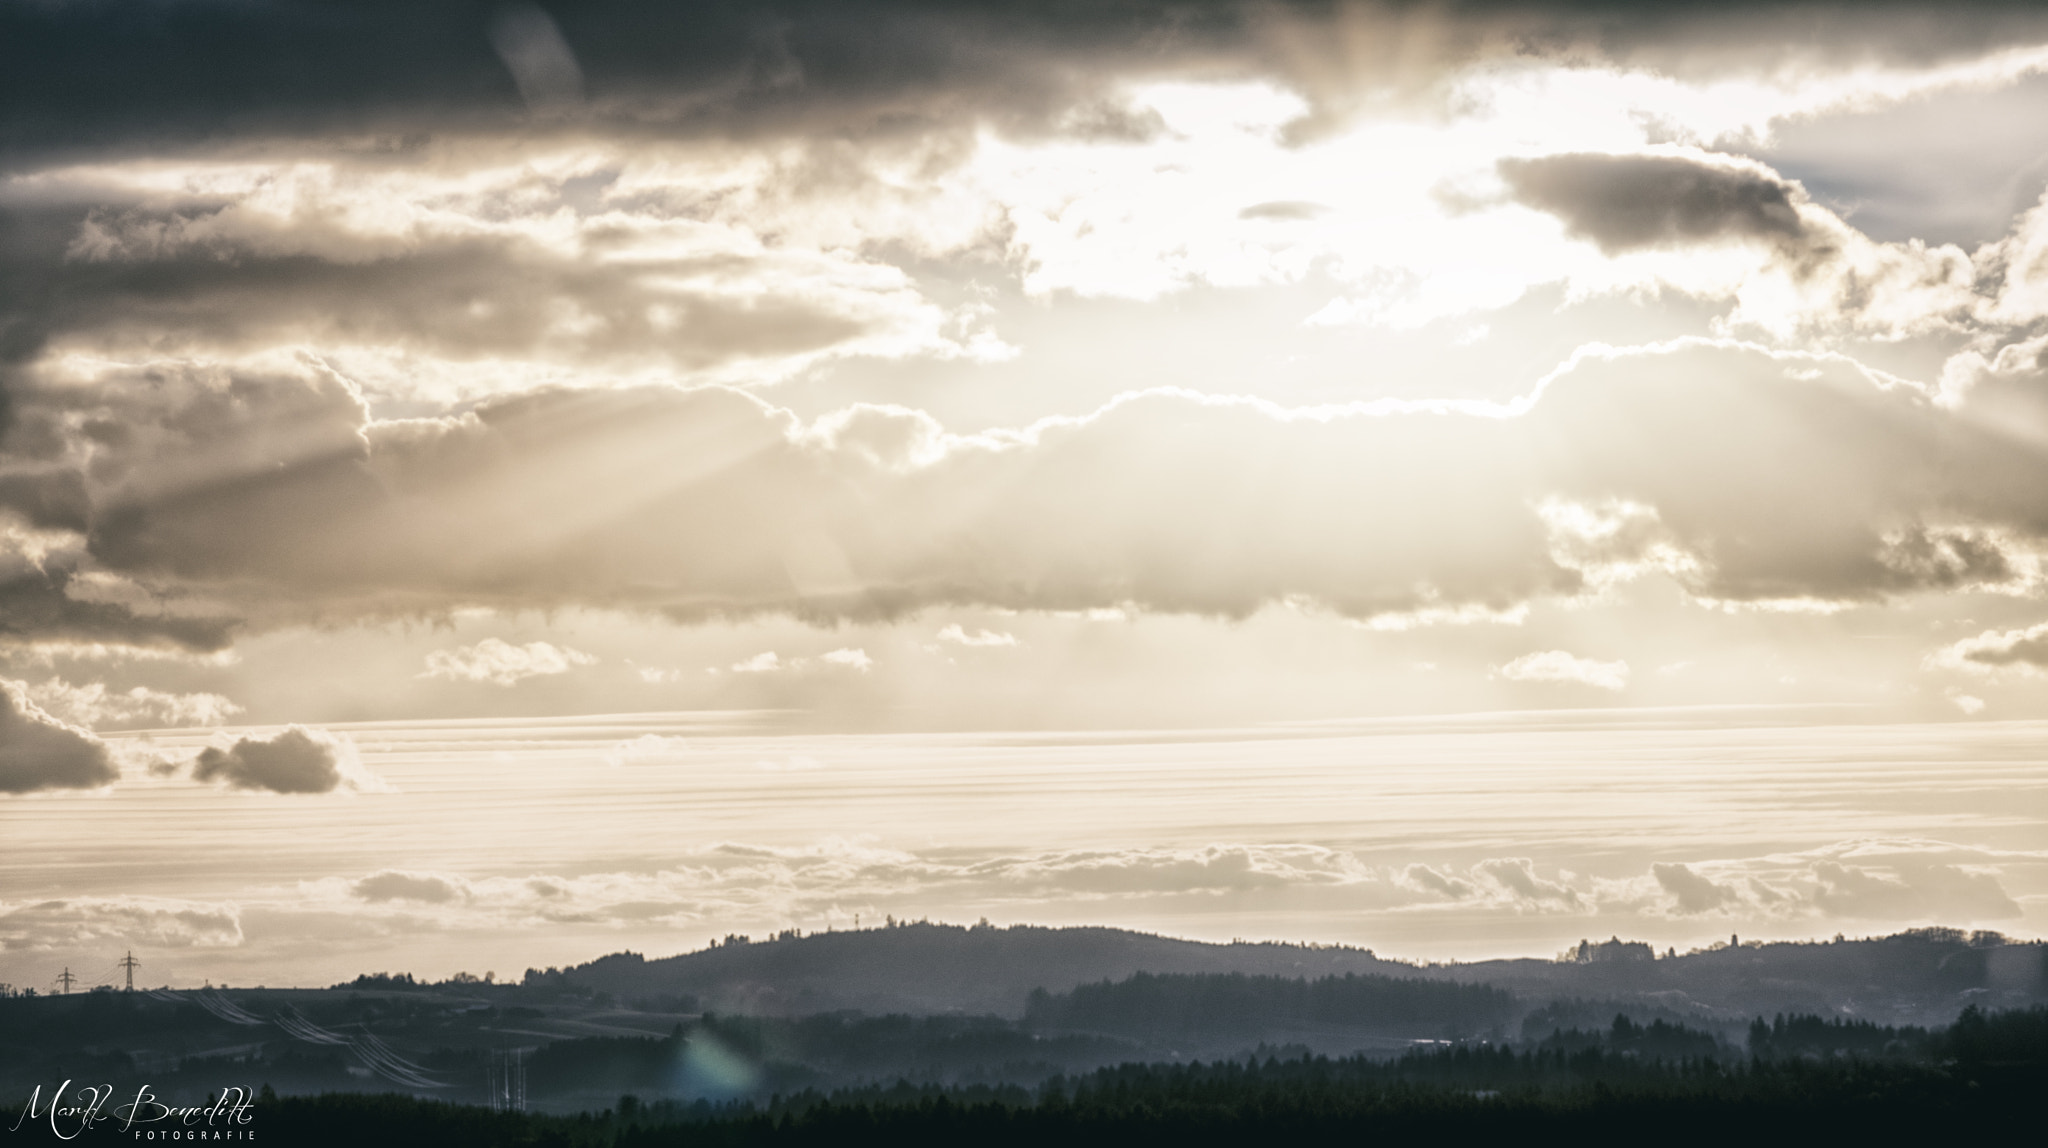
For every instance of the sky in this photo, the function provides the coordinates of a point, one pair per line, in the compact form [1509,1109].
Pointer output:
[487,485]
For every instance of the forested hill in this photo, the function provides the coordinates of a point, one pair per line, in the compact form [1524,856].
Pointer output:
[1226,1007]
[1924,976]
[925,968]
[1921,976]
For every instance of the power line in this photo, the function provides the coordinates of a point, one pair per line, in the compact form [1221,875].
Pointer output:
[506,1080]
[128,965]
[66,979]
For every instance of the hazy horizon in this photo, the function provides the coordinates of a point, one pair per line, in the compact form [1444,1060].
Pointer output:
[659,833]
[513,482]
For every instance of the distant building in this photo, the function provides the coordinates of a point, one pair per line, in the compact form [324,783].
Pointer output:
[1603,952]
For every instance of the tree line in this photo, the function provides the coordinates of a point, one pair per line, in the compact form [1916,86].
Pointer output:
[1981,1073]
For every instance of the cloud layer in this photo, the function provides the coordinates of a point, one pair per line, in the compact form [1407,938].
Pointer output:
[511,368]
[1756,474]
[92,923]
[1874,880]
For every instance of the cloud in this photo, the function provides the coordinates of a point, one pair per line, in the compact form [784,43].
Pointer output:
[298,760]
[1890,880]
[985,638]
[1695,893]
[1809,269]
[501,663]
[1517,877]
[1284,210]
[646,747]
[1624,202]
[447,306]
[1430,881]
[852,659]
[396,885]
[38,751]
[750,516]
[86,923]
[47,597]
[144,753]
[93,705]
[1212,869]
[769,662]
[1559,666]
[1909,891]
[2025,650]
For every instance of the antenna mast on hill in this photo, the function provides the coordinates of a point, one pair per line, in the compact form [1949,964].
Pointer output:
[66,979]
[128,965]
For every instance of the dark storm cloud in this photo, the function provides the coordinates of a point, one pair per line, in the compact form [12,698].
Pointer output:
[94,75]
[39,752]
[1696,40]
[36,605]
[43,597]
[541,62]
[102,76]
[1624,202]
[47,500]
[294,761]
[33,238]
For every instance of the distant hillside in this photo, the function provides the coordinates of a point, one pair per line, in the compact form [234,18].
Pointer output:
[1220,1013]
[1920,977]
[926,968]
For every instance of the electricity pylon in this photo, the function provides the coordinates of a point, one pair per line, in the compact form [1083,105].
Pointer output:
[128,965]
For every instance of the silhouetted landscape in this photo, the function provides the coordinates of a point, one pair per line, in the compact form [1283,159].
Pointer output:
[1029,1031]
